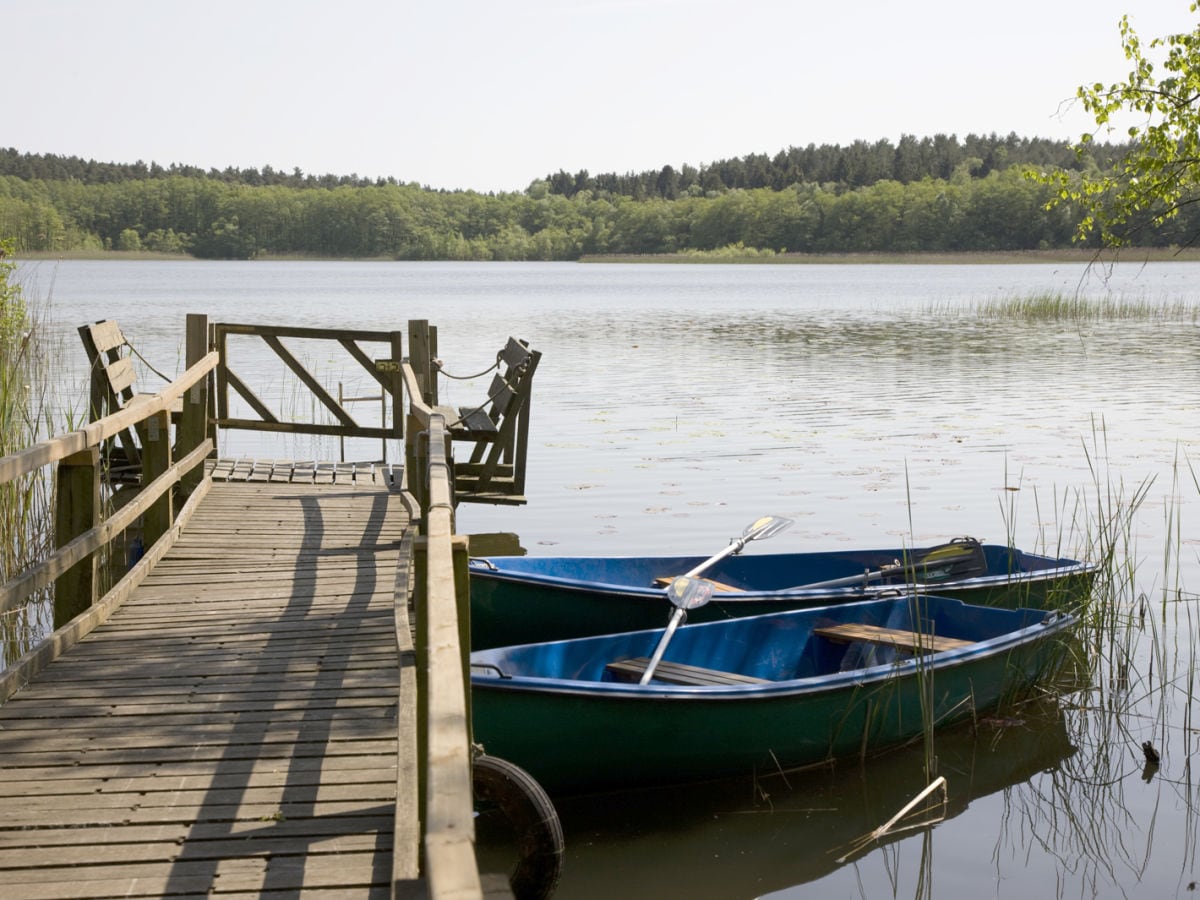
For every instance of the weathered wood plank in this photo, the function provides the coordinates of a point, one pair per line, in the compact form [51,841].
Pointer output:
[281,746]
[233,724]
[903,639]
[252,873]
[680,673]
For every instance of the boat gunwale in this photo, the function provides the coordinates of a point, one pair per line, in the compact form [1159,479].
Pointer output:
[1054,622]
[613,589]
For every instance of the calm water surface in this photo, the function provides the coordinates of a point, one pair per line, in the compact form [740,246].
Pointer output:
[875,406]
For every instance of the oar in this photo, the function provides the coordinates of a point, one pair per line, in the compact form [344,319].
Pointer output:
[761,529]
[686,592]
[967,552]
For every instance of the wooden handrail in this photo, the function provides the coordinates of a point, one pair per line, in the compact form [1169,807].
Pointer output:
[417,407]
[66,637]
[140,408]
[41,575]
[449,831]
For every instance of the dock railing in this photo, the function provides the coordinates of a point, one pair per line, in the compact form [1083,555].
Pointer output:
[439,678]
[82,534]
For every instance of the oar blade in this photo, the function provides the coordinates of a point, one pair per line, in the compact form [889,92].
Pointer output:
[958,560]
[767,527]
[688,593]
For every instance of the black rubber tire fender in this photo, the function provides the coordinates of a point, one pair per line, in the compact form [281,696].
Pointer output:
[534,821]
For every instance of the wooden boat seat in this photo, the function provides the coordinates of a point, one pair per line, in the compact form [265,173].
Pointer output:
[678,673]
[900,638]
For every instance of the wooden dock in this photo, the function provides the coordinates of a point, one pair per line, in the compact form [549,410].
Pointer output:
[232,728]
[273,700]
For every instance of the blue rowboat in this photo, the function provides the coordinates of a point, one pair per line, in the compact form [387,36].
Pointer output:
[753,694]
[527,599]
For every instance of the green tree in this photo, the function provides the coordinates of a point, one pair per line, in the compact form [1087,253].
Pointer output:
[1159,176]
[129,239]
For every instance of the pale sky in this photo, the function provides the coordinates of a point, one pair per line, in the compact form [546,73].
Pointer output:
[492,95]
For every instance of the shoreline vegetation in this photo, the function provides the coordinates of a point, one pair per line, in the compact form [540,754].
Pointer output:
[734,254]
[913,201]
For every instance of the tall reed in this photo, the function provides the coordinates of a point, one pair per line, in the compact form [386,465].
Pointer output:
[1049,307]
[26,520]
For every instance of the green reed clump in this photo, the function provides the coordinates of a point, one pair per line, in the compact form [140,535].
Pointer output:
[1062,307]
[26,522]
[738,252]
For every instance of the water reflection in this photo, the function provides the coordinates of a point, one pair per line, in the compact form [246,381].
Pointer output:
[750,837]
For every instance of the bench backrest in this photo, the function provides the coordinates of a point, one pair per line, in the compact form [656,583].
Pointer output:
[111,379]
[495,471]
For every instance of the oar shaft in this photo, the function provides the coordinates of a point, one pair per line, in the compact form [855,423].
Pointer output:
[735,547]
[676,618]
[850,579]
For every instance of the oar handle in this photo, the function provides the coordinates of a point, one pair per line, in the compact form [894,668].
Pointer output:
[676,618]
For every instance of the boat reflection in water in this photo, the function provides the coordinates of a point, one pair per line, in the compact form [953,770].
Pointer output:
[744,838]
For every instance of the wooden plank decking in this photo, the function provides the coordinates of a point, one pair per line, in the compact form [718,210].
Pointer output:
[232,728]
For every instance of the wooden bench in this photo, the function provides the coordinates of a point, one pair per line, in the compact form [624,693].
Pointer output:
[111,379]
[498,428]
[915,641]
[678,673]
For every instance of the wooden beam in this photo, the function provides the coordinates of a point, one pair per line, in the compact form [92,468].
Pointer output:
[248,395]
[306,428]
[141,407]
[349,334]
[36,577]
[903,639]
[309,381]
[193,423]
[76,512]
[450,866]
[406,836]
[156,461]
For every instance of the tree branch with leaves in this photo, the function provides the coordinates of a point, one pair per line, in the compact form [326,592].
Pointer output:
[1159,176]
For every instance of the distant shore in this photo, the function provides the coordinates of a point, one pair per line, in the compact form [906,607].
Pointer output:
[1129,254]
[991,257]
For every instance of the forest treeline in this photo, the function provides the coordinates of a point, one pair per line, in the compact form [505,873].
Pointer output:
[935,194]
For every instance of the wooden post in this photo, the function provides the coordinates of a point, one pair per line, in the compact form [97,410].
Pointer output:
[397,386]
[462,595]
[77,509]
[421,652]
[211,383]
[222,376]
[193,423]
[156,460]
[416,465]
[432,347]
[420,357]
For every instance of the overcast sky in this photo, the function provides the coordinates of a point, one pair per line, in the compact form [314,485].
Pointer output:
[493,95]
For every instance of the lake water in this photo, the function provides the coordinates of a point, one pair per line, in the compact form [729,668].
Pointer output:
[875,405]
